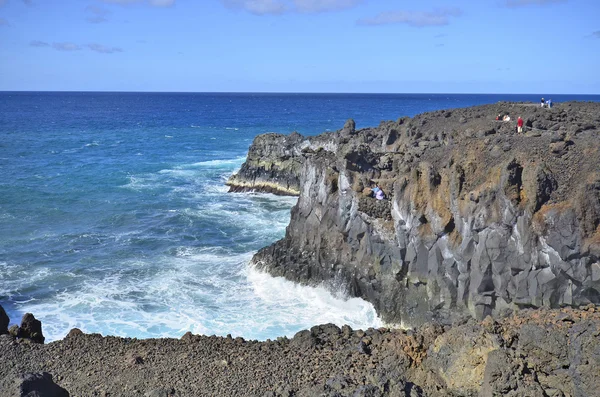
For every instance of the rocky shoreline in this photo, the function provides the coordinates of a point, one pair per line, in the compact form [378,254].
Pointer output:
[487,247]
[480,220]
[529,354]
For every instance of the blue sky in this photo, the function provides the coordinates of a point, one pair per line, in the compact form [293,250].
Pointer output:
[462,46]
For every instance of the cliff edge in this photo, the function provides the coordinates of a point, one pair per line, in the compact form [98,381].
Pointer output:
[479,219]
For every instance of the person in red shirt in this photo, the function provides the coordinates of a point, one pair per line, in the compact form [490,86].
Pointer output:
[520,125]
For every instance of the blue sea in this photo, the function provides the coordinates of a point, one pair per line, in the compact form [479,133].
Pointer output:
[114,216]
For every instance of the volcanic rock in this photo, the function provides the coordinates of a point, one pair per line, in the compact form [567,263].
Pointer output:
[39,385]
[528,353]
[4,320]
[478,220]
[31,328]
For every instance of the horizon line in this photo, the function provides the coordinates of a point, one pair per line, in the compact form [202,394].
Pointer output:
[288,92]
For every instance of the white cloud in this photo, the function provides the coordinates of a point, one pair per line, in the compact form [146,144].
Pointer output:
[27,2]
[104,49]
[96,14]
[413,18]
[522,3]
[277,7]
[96,19]
[315,6]
[162,3]
[37,43]
[153,3]
[258,7]
[66,46]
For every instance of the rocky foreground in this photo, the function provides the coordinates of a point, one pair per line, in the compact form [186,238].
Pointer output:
[535,353]
[479,219]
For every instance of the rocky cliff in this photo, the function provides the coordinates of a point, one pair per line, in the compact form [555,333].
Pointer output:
[478,219]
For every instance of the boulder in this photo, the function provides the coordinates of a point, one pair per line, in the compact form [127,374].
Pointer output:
[14,330]
[349,127]
[31,328]
[38,385]
[4,320]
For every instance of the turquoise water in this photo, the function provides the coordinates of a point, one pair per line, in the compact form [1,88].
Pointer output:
[114,217]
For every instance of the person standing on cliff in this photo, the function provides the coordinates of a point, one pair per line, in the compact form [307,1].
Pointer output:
[519,125]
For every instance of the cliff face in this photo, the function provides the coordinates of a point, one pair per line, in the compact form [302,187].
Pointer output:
[272,166]
[478,219]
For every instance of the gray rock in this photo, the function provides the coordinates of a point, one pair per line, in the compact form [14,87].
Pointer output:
[349,127]
[4,320]
[490,223]
[303,340]
[31,329]
[367,391]
[39,385]
[160,393]
[500,376]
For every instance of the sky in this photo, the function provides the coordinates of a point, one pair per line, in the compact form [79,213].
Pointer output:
[387,46]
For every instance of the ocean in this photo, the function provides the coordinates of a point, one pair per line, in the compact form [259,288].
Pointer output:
[114,216]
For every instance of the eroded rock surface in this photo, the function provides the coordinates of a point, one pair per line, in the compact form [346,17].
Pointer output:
[271,166]
[479,220]
[530,353]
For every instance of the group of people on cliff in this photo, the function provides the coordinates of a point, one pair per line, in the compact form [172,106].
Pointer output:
[546,104]
[506,117]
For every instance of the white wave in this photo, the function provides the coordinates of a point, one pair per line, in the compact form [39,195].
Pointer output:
[203,290]
[236,161]
[13,278]
[306,306]
[179,172]
[147,305]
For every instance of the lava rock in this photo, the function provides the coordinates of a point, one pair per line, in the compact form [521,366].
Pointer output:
[31,328]
[39,385]
[4,320]
[470,206]
[349,127]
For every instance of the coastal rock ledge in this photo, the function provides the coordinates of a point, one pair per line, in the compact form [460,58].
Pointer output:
[533,353]
[479,219]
